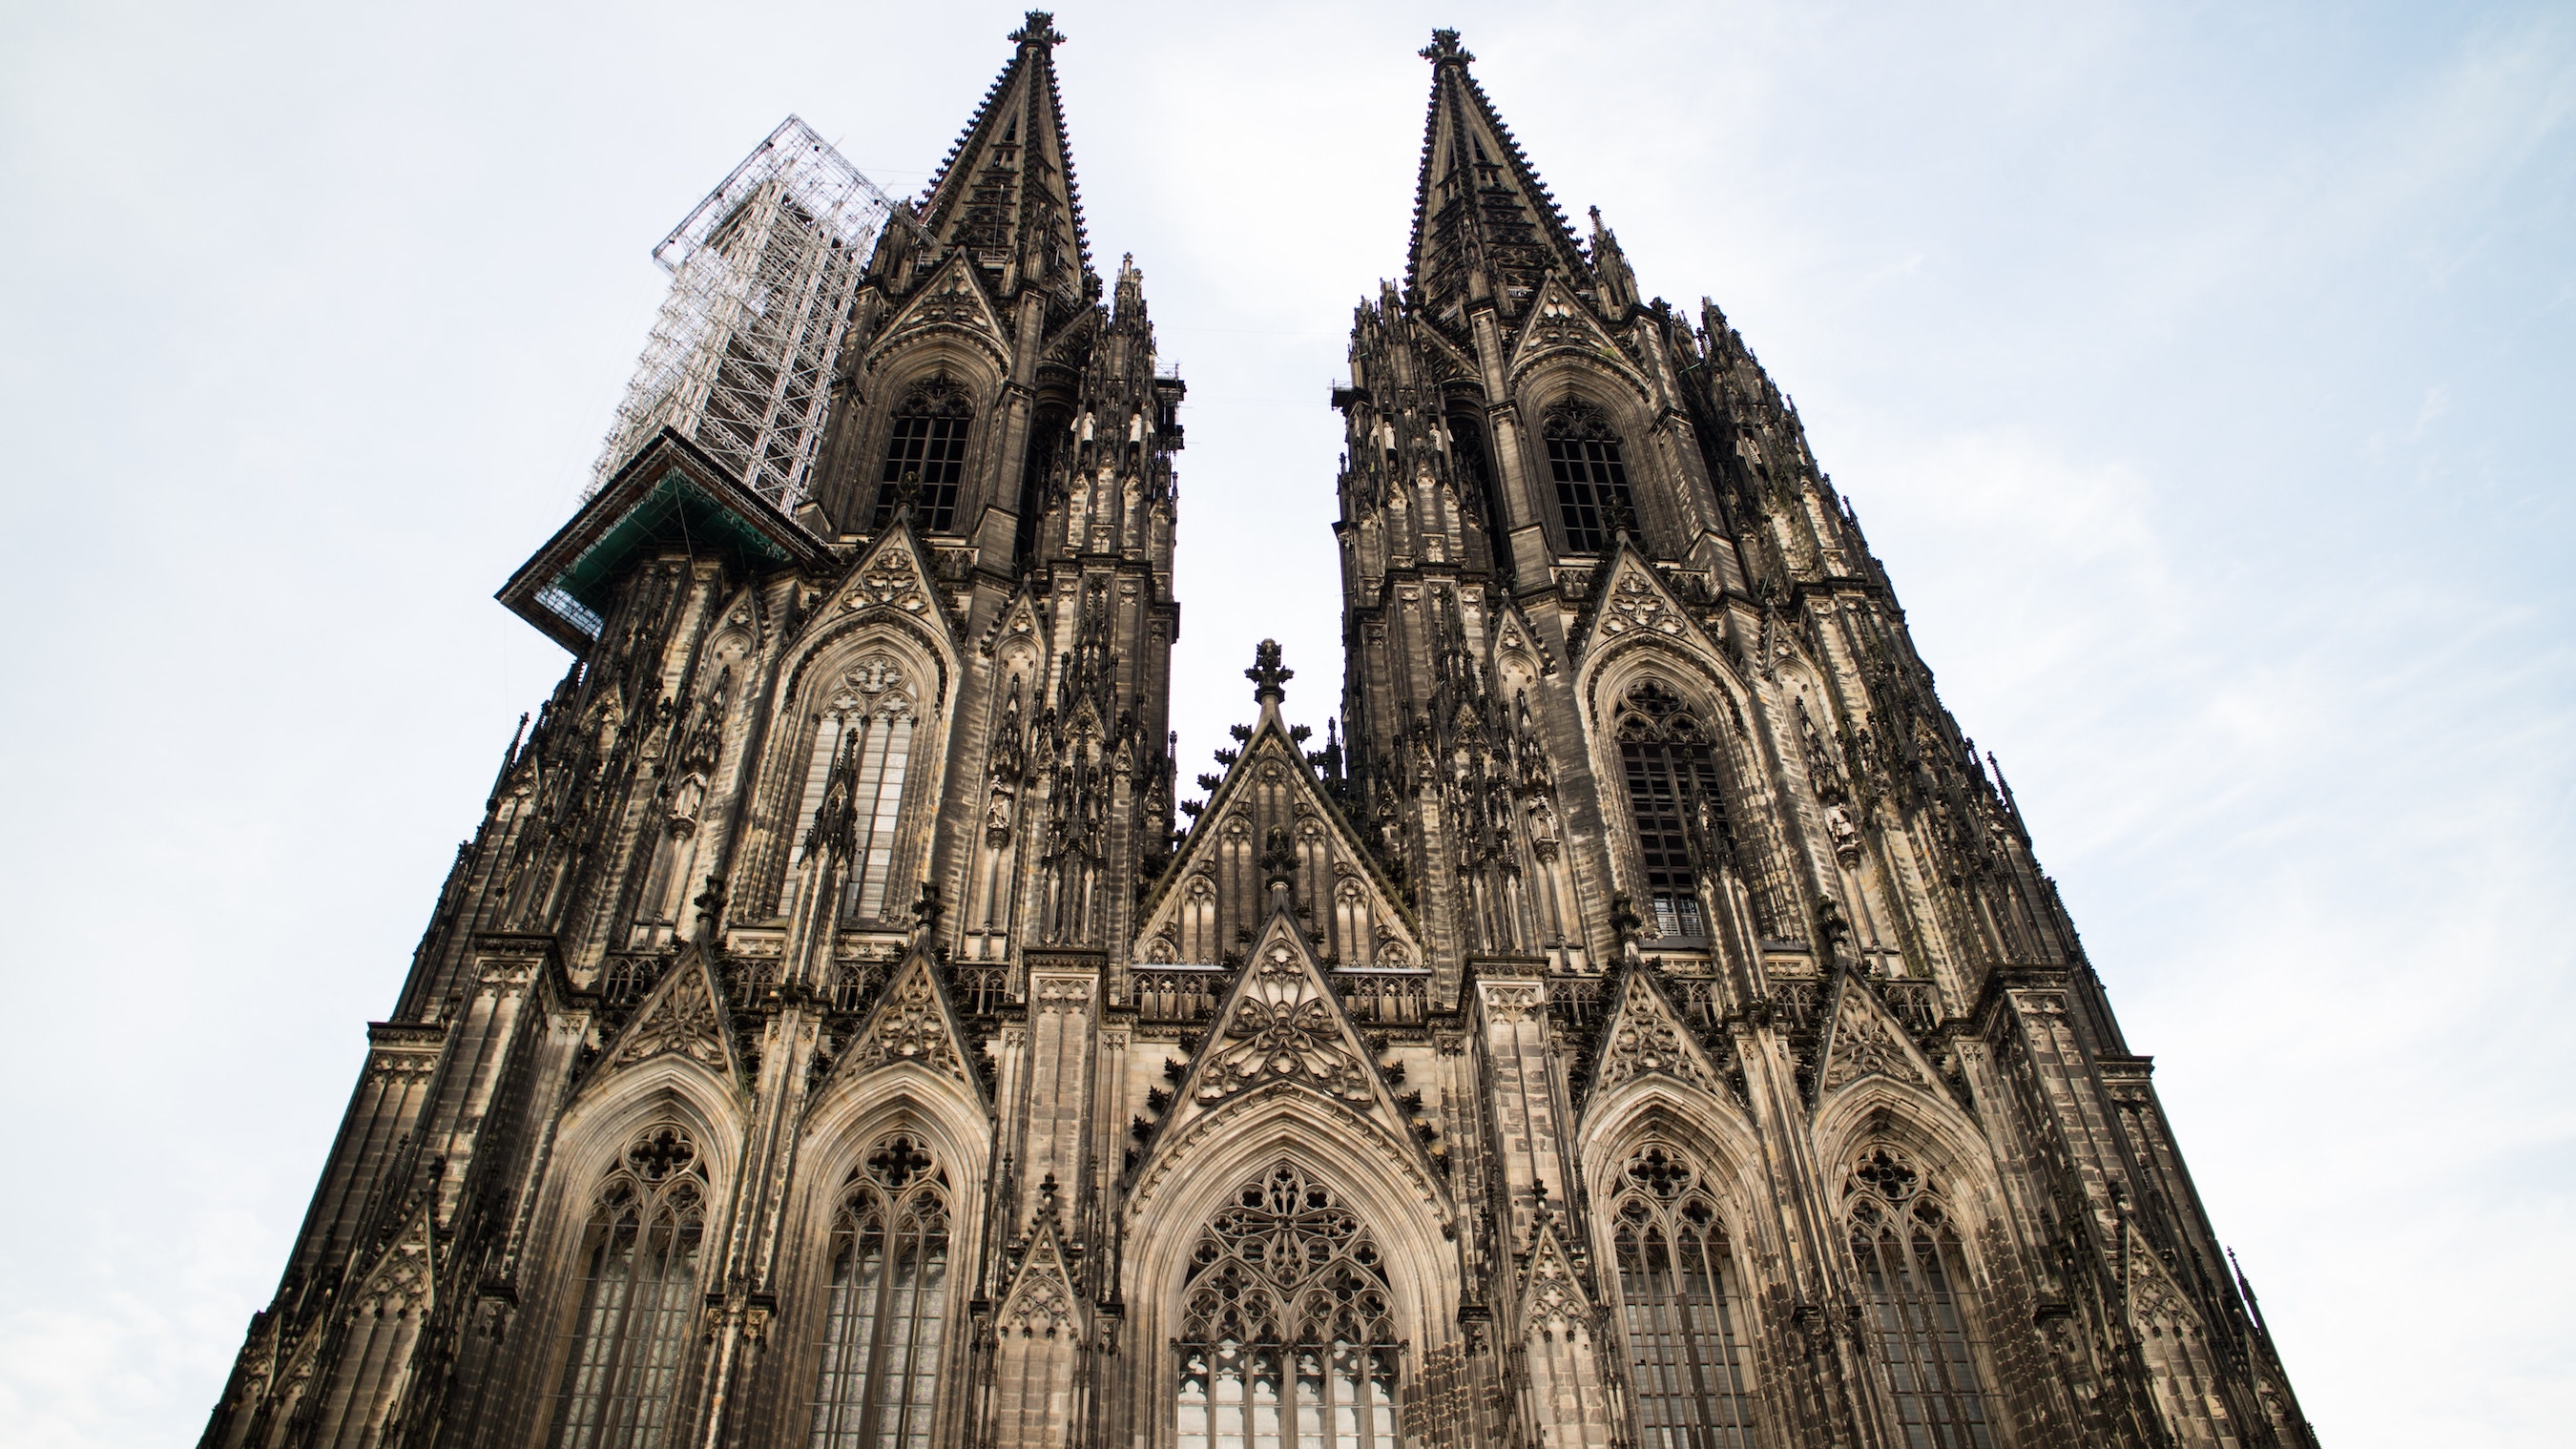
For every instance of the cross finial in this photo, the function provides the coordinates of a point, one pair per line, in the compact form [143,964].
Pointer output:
[1268,677]
[1444,46]
[1038,28]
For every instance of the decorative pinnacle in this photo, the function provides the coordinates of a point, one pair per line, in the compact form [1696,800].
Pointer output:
[1038,28]
[1268,678]
[1444,46]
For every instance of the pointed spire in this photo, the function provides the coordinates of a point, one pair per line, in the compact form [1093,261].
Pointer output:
[1006,192]
[1484,225]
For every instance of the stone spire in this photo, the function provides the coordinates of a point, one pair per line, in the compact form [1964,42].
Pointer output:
[1006,191]
[1484,225]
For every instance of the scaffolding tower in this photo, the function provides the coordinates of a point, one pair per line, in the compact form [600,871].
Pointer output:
[740,359]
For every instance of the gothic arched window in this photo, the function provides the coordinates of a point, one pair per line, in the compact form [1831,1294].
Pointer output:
[1679,1299]
[867,725]
[884,1313]
[637,1314]
[1674,799]
[1906,1254]
[1591,482]
[1286,1339]
[925,447]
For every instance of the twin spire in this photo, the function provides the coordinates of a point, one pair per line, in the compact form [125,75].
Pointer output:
[1484,225]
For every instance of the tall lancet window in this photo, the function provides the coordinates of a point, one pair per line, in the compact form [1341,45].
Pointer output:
[1906,1254]
[867,718]
[925,447]
[1591,482]
[636,1319]
[1286,1339]
[884,1313]
[1673,796]
[1679,1300]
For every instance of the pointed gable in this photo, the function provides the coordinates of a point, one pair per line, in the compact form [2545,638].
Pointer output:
[1561,322]
[1280,1028]
[1864,1039]
[912,1021]
[680,1016]
[1629,600]
[1553,1306]
[1006,191]
[893,576]
[950,302]
[1214,889]
[1041,1301]
[1645,1036]
[1477,201]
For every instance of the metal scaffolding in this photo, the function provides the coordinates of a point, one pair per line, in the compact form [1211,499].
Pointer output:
[740,360]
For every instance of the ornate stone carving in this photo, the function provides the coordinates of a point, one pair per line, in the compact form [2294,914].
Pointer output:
[1283,1027]
[909,1026]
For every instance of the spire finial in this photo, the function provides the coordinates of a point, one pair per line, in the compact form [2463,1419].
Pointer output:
[1268,678]
[1444,46]
[1038,28]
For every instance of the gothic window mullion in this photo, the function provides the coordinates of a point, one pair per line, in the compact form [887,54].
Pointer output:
[1688,1379]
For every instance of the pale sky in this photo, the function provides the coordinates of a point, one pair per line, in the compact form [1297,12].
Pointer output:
[2204,374]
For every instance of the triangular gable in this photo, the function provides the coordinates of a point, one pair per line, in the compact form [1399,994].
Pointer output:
[951,301]
[2155,1300]
[1865,1039]
[1553,1303]
[894,576]
[403,1278]
[1281,1025]
[681,1015]
[1513,633]
[1019,619]
[912,1021]
[1630,600]
[1645,1037]
[1269,746]
[1041,1302]
[1559,321]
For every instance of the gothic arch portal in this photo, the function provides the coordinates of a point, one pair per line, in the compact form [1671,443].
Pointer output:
[1405,1215]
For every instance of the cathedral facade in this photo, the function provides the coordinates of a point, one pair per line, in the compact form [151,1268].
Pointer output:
[1639,1022]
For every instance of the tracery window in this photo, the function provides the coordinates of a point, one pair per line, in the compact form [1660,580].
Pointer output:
[868,716]
[926,446]
[636,1316]
[1674,799]
[1907,1256]
[884,1312]
[1286,1340]
[1592,499]
[1680,1302]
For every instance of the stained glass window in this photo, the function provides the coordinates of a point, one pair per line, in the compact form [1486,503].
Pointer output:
[634,1325]
[1678,1300]
[1906,1254]
[884,1316]
[1287,1342]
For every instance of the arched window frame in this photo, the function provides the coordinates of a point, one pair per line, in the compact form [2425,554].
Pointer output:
[1681,1305]
[630,1330]
[1914,1284]
[872,712]
[1593,499]
[925,447]
[885,1290]
[1676,803]
[1287,1334]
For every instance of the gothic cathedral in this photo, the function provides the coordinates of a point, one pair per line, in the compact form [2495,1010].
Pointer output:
[1639,1023]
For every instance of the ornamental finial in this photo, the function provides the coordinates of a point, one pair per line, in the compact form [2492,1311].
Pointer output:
[1268,678]
[1038,28]
[1444,46]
